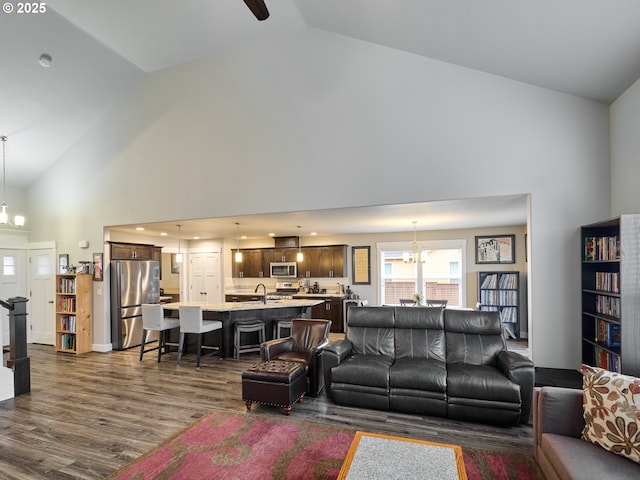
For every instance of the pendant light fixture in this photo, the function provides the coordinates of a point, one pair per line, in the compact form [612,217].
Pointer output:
[299,256]
[4,216]
[417,257]
[238,256]
[179,254]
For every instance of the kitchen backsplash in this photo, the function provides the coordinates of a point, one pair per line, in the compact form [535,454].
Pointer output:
[237,285]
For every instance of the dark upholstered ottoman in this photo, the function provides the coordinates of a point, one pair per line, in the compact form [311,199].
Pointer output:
[276,382]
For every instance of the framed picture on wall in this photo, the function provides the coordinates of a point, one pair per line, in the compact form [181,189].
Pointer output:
[496,249]
[97,267]
[361,265]
[63,263]
[175,266]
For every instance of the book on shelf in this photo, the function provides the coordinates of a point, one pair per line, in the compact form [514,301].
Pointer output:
[69,323]
[490,281]
[68,304]
[608,305]
[608,333]
[509,315]
[608,282]
[601,249]
[607,360]
[67,341]
[509,281]
[66,285]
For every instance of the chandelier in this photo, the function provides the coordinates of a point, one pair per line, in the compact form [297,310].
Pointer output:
[4,216]
[417,255]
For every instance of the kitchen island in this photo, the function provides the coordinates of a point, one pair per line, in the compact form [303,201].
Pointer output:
[231,312]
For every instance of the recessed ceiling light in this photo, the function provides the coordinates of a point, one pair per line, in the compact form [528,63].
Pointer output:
[196,238]
[45,60]
[313,233]
[243,237]
[139,229]
[163,234]
[271,234]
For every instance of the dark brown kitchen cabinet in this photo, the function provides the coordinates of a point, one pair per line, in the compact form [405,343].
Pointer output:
[331,309]
[132,251]
[251,266]
[282,255]
[326,261]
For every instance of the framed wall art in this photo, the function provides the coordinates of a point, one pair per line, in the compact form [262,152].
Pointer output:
[175,266]
[97,267]
[63,263]
[361,265]
[496,249]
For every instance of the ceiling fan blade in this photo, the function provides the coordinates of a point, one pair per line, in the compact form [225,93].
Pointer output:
[258,8]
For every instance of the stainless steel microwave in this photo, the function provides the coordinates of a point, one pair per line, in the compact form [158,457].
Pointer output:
[283,269]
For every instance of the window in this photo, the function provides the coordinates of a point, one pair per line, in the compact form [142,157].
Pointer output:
[437,273]
[43,265]
[9,266]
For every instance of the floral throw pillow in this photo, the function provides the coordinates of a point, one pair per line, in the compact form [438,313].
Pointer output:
[612,411]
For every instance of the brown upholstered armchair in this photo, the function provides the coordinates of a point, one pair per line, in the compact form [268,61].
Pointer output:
[308,337]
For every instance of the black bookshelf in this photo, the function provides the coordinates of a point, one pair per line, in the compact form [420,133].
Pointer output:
[500,291]
[610,255]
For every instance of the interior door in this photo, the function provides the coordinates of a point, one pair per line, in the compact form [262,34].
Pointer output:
[42,300]
[13,283]
[204,277]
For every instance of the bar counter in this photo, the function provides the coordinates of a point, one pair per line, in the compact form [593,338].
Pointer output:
[231,312]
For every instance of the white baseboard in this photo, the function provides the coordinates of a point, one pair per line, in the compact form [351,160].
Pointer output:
[103,348]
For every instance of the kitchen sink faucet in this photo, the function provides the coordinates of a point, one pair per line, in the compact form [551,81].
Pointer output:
[264,295]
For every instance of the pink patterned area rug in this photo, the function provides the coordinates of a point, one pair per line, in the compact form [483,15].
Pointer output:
[225,446]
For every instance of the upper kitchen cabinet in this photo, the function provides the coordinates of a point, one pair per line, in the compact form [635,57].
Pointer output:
[132,251]
[285,254]
[328,261]
[252,264]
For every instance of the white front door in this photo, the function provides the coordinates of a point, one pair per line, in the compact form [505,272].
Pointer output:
[204,277]
[42,302]
[13,283]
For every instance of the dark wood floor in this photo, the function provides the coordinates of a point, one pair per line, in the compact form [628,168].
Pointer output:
[88,415]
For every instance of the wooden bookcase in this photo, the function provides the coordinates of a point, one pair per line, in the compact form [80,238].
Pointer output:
[500,291]
[611,294]
[74,304]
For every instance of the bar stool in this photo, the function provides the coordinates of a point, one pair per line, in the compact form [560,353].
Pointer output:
[279,326]
[191,322]
[153,319]
[249,326]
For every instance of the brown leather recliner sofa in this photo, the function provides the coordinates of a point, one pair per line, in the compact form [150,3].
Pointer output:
[431,361]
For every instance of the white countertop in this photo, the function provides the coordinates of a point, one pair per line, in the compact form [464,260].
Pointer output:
[237,306]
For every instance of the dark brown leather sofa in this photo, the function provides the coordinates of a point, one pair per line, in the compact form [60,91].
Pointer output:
[430,361]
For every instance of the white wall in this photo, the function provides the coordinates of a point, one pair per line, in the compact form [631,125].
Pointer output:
[625,148]
[348,124]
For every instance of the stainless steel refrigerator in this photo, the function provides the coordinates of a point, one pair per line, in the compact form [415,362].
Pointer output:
[133,282]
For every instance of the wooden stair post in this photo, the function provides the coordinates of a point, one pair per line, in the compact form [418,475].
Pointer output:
[18,360]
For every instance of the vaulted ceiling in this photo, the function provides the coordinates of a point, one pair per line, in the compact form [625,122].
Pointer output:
[100,48]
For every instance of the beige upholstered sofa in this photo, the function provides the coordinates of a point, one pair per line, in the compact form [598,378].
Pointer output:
[557,427]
